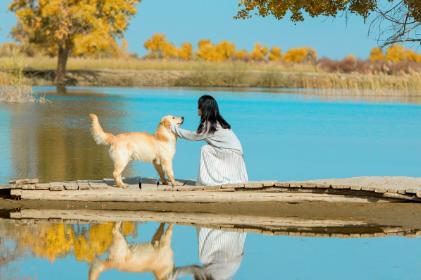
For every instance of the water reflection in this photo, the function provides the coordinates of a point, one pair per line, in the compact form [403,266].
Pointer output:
[53,142]
[155,256]
[129,250]
[220,253]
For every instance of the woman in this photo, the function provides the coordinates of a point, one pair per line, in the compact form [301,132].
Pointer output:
[221,160]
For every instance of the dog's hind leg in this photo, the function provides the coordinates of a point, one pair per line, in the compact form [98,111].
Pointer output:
[118,169]
[161,173]
[157,236]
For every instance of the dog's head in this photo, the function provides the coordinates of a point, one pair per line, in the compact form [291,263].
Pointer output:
[169,120]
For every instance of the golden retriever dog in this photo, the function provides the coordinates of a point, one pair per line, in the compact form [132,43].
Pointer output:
[158,148]
[155,256]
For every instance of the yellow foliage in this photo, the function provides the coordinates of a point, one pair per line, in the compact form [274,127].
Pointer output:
[155,45]
[83,26]
[259,52]
[396,53]
[186,51]
[49,242]
[376,54]
[56,240]
[241,55]
[300,55]
[413,56]
[225,49]
[275,54]
[208,51]
[159,47]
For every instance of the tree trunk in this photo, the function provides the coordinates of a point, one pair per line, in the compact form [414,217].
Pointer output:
[63,55]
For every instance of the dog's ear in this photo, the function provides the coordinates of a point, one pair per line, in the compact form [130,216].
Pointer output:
[165,122]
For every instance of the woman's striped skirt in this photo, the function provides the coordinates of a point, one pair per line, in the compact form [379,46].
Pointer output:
[221,166]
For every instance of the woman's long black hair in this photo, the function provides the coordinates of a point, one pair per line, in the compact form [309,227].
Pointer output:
[210,116]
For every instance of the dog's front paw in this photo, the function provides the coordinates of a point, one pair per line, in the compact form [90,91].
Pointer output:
[177,184]
[122,186]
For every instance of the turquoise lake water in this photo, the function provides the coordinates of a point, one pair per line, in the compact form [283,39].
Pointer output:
[285,137]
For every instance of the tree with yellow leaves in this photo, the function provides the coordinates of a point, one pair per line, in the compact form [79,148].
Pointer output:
[376,54]
[158,47]
[241,55]
[225,50]
[402,18]
[259,52]
[186,51]
[300,55]
[64,26]
[155,45]
[207,51]
[275,54]
[58,240]
[396,53]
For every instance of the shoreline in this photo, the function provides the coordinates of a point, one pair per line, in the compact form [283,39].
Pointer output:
[238,76]
[356,84]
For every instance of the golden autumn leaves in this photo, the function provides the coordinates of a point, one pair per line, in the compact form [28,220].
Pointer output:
[160,48]
[395,53]
[77,26]
[58,240]
[88,25]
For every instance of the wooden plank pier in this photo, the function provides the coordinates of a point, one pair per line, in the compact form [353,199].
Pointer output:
[357,189]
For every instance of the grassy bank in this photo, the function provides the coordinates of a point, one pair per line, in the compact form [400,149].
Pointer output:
[14,87]
[160,73]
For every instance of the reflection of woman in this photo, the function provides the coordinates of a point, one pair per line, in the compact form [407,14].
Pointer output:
[221,160]
[220,252]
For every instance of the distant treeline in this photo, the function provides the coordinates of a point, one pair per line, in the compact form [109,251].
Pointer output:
[393,60]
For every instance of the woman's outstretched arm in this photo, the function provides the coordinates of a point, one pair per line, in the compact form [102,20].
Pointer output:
[187,134]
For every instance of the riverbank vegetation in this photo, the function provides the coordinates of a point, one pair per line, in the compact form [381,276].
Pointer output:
[395,70]
[14,87]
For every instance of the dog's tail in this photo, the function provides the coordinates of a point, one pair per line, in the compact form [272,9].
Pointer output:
[100,137]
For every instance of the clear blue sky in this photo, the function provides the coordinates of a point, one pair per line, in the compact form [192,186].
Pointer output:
[192,20]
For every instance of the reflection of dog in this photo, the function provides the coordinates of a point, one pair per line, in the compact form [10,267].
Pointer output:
[155,256]
[158,148]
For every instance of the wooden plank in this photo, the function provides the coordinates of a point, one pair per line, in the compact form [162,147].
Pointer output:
[268,183]
[24,181]
[83,185]
[379,190]
[226,220]
[97,185]
[253,185]
[368,188]
[340,187]
[356,188]
[28,187]
[42,186]
[71,186]
[56,186]
[232,186]
[322,186]
[135,195]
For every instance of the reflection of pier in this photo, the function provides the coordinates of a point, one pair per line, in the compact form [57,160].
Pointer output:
[325,208]
[294,226]
[359,189]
